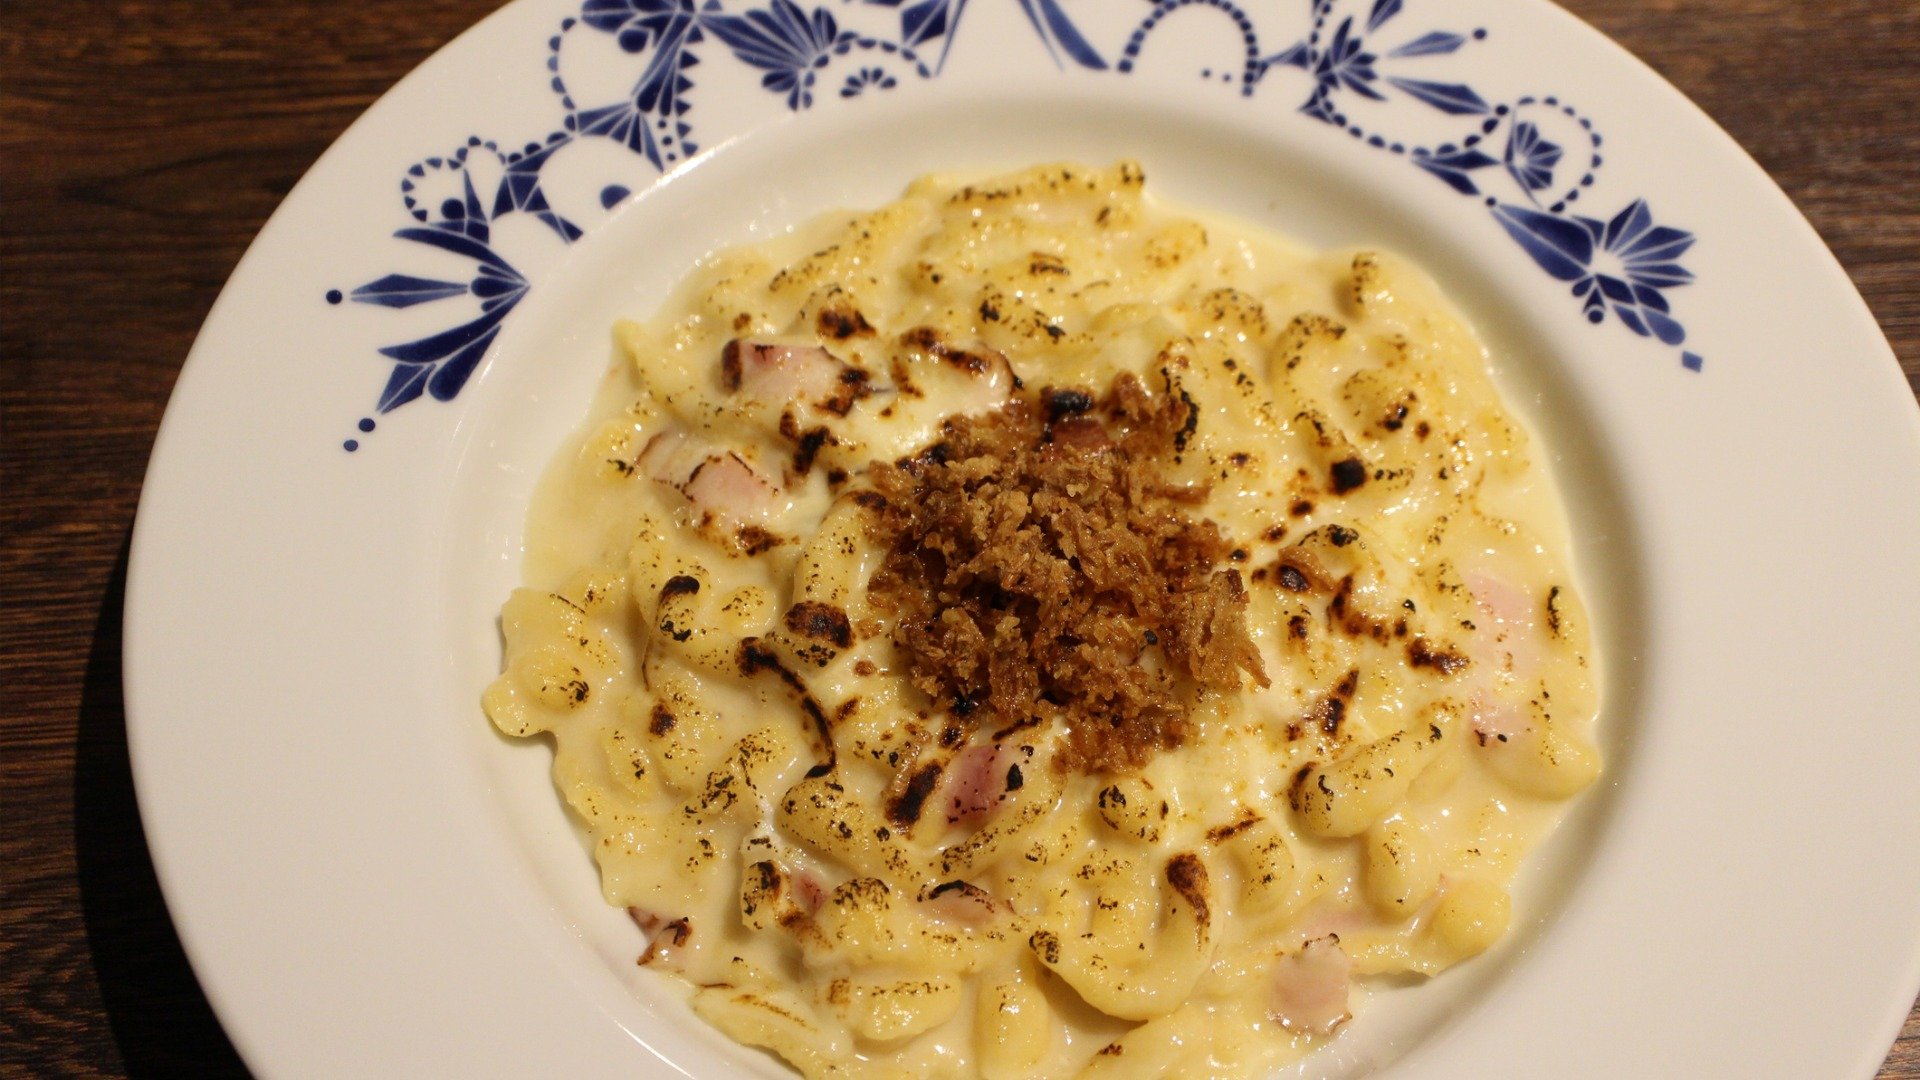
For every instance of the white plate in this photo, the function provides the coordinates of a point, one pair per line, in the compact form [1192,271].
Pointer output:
[370,882]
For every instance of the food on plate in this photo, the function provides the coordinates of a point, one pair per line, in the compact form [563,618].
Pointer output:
[1026,631]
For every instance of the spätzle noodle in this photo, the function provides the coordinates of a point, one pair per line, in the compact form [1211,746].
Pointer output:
[1320,721]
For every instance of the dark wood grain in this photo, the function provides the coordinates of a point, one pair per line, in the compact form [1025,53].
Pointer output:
[142,144]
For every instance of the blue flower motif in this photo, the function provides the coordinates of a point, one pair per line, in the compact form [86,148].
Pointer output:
[1622,264]
[1345,62]
[783,41]
[1530,159]
[865,77]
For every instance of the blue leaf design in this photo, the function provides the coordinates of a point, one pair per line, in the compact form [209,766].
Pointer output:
[1628,225]
[1319,106]
[1435,43]
[435,347]
[928,19]
[452,375]
[779,38]
[1661,275]
[1561,247]
[1454,178]
[1647,296]
[1457,99]
[1614,289]
[1465,158]
[455,242]
[623,123]
[1453,167]
[1661,244]
[1382,11]
[1296,55]
[1056,28]
[405,384]
[400,291]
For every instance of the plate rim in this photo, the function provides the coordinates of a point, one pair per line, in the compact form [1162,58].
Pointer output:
[142,732]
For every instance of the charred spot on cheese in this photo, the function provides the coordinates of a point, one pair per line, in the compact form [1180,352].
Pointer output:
[1064,403]
[820,622]
[851,385]
[679,585]
[807,447]
[840,320]
[1330,709]
[906,807]
[1222,833]
[661,721]
[1422,654]
[754,658]
[1348,474]
[996,621]
[1343,616]
[672,935]
[754,540]
[731,364]
[972,361]
[1188,876]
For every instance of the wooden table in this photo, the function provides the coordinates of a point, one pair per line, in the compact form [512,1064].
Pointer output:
[143,142]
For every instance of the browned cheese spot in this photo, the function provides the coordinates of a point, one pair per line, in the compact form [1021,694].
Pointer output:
[1348,474]
[840,320]
[1222,833]
[905,808]
[753,658]
[1188,876]
[1422,654]
[820,622]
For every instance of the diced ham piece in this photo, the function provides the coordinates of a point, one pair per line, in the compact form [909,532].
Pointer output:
[1511,622]
[1502,600]
[719,483]
[978,779]
[646,920]
[1497,721]
[1310,987]
[665,940]
[808,892]
[670,456]
[727,487]
[779,374]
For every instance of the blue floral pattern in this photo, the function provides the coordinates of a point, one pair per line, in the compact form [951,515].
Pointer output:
[1529,160]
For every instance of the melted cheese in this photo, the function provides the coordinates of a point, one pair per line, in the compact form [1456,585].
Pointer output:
[1432,696]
